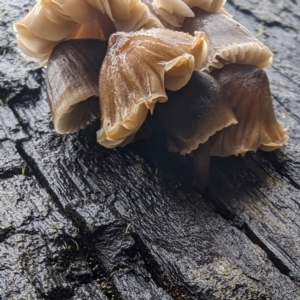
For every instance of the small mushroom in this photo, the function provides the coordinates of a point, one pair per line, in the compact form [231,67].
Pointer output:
[228,112]
[72,83]
[229,41]
[130,15]
[191,117]
[247,90]
[213,6]
[174,12]
[194,113]
[51,22]
[135,72]
[168,21]
[59,11]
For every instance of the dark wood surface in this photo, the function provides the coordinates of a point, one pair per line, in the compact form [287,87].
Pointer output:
[78,221]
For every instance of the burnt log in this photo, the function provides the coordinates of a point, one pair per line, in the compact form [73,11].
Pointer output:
[78,221]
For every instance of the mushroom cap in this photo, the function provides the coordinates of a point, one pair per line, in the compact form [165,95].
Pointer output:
[194,113]
[72,83]
[168,21]
[52,21]
[61,11]
[135,72]
[213,6]
[174,12]
[229,41]
[248,92]
[127,15]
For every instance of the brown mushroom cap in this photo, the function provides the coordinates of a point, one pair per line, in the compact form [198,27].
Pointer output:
[248,93]
[194,113]
[72,83]
[135,72]
[229,41]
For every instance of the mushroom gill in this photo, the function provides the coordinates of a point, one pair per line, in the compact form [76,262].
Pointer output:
[229,41]
[247,90]
[72,83]
[135,72]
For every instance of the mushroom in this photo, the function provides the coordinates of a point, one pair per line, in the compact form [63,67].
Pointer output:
[229,41]
[174,12]
[214,6]
[236,59]
[247,90]
[136,70]
[226,112]
[194,113]
[128,15]
[51,22]
[72,83]
[190,117]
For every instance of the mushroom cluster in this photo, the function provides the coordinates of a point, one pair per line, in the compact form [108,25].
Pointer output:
[186,61]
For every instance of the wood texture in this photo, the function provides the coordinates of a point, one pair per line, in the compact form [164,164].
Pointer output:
[78,221]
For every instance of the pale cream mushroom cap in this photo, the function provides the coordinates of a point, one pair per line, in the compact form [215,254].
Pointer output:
[52,21]
[229,41]
[169,20]
[127,15]
[60,11]
[174,12]
[135,72]
[47,29]
[208,5]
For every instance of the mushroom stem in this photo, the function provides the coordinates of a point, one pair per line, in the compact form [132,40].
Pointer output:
[201,164]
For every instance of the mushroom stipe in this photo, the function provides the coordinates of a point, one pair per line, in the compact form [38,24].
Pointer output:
[185,61]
